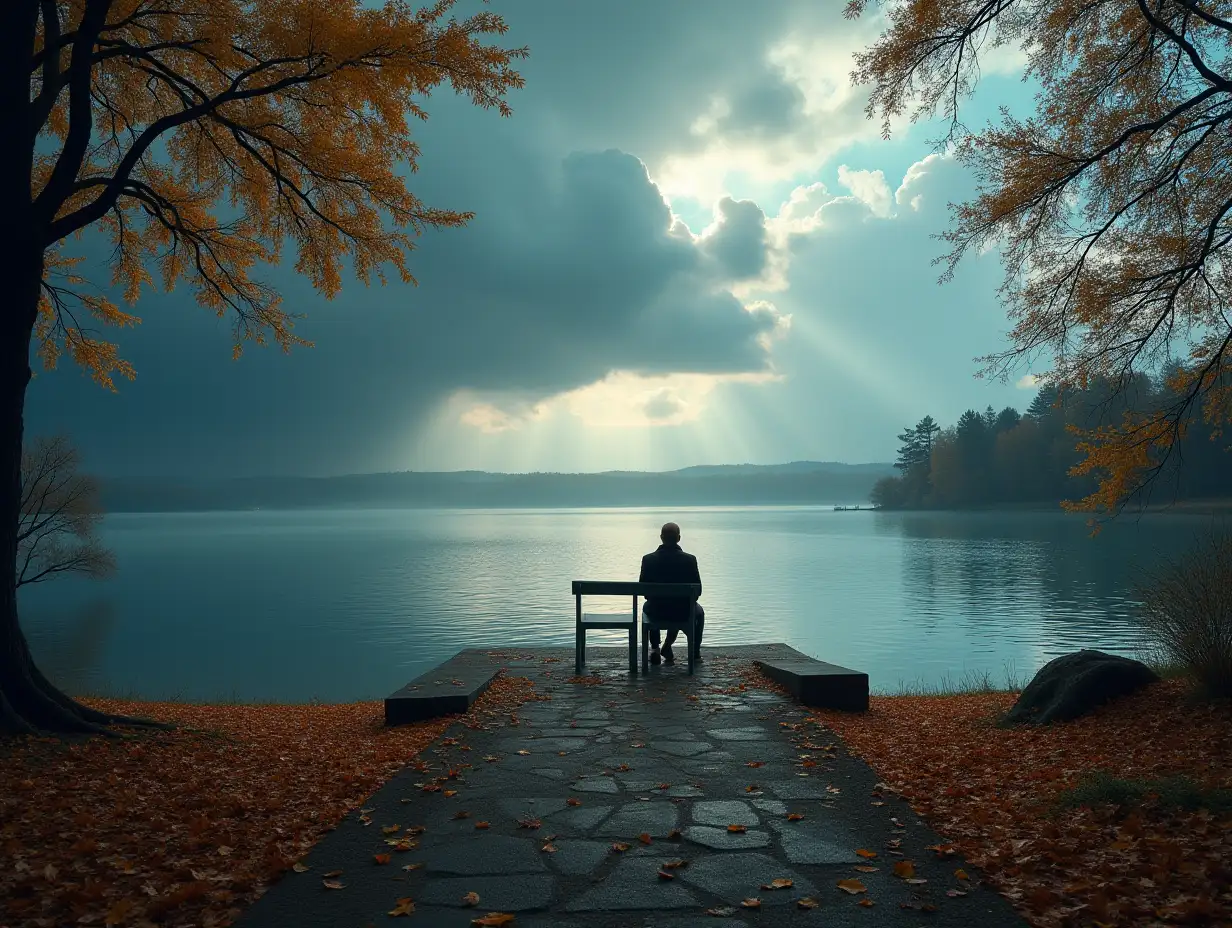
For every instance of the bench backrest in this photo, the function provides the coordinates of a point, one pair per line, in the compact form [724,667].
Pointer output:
[634,588]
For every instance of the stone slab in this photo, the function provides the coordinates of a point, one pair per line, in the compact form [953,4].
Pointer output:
[816,683]
[448,689]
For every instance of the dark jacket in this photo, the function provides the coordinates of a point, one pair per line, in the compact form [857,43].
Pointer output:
[668,564]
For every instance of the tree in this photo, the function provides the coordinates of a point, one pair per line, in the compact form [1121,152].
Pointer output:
[59,516]
[1007,419]
[910,451]
[926,431]
[202,137]
[1112,205]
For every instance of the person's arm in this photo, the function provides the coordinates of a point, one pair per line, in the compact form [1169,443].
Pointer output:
[641,577]
[697,577]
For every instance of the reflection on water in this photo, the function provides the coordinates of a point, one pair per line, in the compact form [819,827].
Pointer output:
[342,605]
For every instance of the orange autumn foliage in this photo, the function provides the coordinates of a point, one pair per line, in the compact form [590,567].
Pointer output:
[992,792]
[1109,204]
[185,827]
[204,136]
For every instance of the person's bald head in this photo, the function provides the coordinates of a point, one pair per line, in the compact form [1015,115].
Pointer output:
[670,533]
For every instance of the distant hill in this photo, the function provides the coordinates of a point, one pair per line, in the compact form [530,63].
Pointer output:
[797,483]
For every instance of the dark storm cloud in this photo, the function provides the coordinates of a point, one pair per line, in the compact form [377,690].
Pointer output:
[766,105]
[566,274]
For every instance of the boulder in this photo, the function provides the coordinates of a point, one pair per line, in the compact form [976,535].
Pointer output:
[1073,684]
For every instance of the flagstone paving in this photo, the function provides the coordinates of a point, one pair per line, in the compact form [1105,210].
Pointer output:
[601,763]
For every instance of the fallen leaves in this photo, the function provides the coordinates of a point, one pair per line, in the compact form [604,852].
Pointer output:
[904,869]
[492,920]
[991,792]
[470,899]
[753,903]
[794,817]
[808,902]
[780,883]
[405,906]
[644,837]
[865,853]
[266,782]
[737,829]
[852,885]
[381,858]
[620,847]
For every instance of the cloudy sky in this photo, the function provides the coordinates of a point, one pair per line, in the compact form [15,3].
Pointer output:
[690,247]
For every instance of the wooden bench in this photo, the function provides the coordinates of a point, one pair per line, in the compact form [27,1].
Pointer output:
[623,620]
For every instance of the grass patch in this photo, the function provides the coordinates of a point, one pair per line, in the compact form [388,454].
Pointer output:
[1177,792]
[971,682]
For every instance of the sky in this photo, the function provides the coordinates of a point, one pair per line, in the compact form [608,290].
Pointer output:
[690,247]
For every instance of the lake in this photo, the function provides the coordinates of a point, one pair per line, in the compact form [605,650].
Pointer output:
[341,605]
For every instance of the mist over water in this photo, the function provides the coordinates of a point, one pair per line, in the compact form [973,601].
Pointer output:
[343,605]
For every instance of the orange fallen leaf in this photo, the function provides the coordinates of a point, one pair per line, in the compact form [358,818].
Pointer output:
[644,837]
[867,869]
[381,858]
[300,867]
[852,886]
[620,847]
[461,813]
[866,902]
[808,902]
[549,848]
[794,816]
[390,829]
[780,883]
[753,903]
[331,874]
[666,875]
[904,869]
[868,855]
[482,826]
[450,793]
[675,864]
[531,823]
[118,913]
[755,763]
[493,920]
[571,801]
[524,753]
[961,874]
[405,906]
[737,829]
[471,898]
[332,884]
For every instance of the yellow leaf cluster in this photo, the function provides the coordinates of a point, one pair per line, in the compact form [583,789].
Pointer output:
[204,137]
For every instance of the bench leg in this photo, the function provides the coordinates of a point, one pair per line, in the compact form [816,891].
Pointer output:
[645,651]
[692,639]
[579,649]
[633,649]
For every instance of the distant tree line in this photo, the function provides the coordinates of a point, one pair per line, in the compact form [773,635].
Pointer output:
[989,458]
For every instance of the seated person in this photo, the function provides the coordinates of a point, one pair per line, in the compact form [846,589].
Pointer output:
[668,564]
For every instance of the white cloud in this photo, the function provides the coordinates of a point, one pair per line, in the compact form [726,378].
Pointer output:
[1027,382]
[869,187]
[783,124]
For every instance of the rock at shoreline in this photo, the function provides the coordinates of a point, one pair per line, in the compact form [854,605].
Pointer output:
[1073,684]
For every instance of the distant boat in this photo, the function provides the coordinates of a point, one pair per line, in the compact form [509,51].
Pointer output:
[853,508]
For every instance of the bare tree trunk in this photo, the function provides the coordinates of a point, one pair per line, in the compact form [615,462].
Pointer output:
[29,703]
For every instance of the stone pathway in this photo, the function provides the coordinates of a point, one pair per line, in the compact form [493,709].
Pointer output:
[661,763]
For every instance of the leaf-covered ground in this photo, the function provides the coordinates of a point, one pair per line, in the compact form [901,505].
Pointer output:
[993,792]
[184,828]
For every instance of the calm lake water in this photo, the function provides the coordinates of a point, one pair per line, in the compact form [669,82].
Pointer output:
[343,605]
